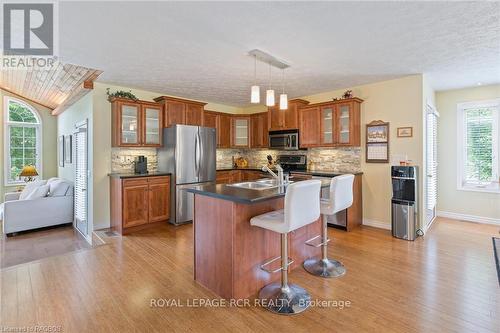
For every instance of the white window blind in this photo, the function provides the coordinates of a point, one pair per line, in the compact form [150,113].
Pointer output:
[431,159]
[80,149]
[479,136]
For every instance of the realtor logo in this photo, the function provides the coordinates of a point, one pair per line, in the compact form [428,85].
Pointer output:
[28,29]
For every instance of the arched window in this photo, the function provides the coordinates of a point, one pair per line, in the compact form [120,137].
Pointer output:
[23,139]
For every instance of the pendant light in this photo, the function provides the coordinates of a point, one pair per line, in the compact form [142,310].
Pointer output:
[269,92]
[255,93]
[283,96]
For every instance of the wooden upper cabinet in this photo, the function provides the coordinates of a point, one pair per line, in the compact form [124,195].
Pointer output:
[309,124]
[224,131]
[210,119]
[240,131]
[338,122]
[259,135]
[222,124]
[285,119]
[175,113]
[136,123]
[194,115]
[181,111]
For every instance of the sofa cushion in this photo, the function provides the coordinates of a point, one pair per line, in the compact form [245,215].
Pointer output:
[30,187]
[58,188]
[39,192]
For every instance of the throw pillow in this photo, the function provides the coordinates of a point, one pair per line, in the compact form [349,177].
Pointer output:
[30,187]
[58,188]
[39,192]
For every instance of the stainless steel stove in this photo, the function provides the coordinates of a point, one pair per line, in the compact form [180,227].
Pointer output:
[292,162]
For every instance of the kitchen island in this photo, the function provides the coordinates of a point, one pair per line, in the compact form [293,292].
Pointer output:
[228,251]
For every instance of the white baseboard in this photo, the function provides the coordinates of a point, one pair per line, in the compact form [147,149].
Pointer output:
[377,224]
[469,218]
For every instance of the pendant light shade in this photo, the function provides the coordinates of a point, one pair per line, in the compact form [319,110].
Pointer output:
[283,102]
[270,97]
[255,95]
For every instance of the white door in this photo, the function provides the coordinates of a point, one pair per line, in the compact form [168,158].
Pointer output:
[81,179]
[431,156]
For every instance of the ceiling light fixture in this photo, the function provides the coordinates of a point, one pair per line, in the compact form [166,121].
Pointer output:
[255,93]
[255,90]
[283,96]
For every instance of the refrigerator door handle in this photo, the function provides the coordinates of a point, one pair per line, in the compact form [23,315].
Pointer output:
[197,152]
[200,161]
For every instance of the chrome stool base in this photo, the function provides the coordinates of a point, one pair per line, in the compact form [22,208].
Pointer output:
[285,301]
[327,268]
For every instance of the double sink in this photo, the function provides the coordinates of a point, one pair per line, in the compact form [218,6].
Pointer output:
[261,184]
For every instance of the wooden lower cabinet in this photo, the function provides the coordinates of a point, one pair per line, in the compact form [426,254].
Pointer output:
[137,203]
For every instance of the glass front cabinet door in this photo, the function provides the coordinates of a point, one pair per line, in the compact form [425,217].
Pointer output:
[327,125]
[344,123]
[152,119]
[129,124]
[241,126]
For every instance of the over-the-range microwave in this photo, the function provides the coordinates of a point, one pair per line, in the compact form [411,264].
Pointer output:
[284,140]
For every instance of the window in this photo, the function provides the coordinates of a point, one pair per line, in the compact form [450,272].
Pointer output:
[22,139]
[478,146]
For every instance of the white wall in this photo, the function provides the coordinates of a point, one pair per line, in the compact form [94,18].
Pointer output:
[80,111]
[451,200]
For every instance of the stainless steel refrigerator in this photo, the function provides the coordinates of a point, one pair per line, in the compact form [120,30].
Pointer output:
[188,153]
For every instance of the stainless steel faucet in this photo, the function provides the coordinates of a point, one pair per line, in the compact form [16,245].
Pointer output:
[279,177]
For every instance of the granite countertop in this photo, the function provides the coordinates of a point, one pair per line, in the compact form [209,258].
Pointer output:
[243,195]
[137,175]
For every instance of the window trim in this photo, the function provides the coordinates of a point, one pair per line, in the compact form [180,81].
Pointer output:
[7,125]
[493,187]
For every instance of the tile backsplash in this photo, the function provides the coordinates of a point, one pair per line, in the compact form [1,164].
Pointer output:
[331,159]
[122,159]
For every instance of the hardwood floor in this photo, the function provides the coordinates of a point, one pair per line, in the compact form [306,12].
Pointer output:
[444,282]
[39,244]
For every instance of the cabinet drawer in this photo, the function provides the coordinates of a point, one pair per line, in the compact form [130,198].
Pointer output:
[159,180]
[135,182]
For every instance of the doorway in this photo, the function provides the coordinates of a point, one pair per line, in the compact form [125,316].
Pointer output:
[431,164]
[81,180]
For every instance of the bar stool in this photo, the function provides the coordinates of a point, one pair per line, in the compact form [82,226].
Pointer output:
[341,197]
[301,208]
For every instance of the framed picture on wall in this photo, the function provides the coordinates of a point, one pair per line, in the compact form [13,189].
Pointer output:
[68,149]
[405,132]
[377,142]
[60,150]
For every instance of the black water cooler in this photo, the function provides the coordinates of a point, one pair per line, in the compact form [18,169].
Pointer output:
[404,202]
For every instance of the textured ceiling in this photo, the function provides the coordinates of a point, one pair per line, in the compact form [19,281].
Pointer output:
[198,50]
